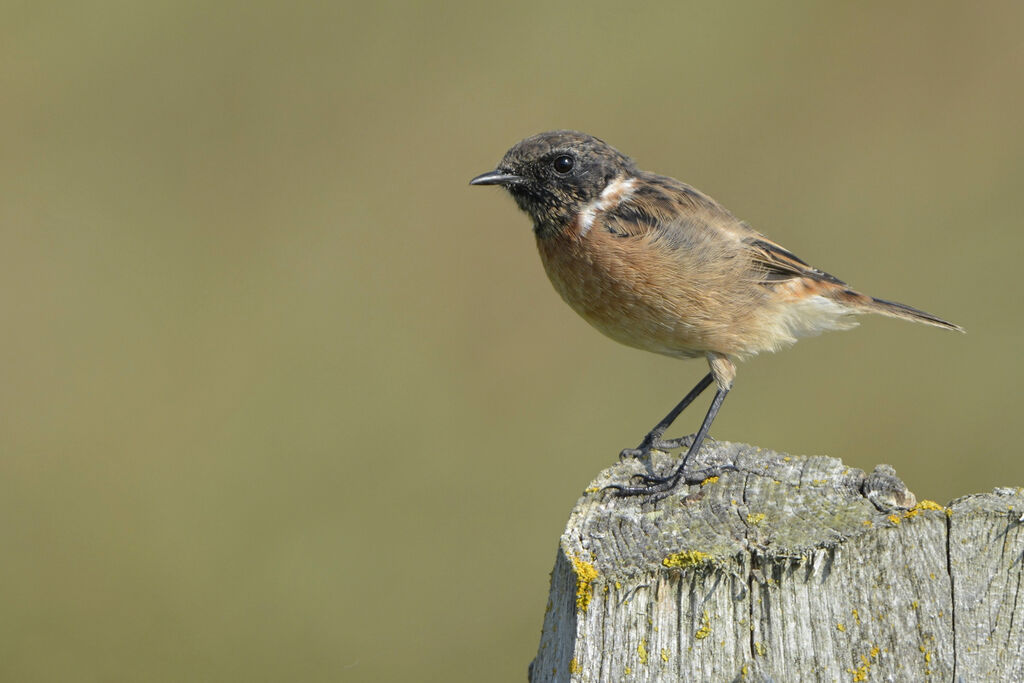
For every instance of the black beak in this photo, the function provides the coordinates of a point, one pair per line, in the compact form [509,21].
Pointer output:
[496,177]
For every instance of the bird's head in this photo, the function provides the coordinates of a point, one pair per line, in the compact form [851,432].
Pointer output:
[554,175]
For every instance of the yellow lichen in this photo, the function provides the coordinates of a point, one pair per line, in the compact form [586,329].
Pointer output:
[929,505]
[856,616]
[709,480]
[664,655]
[641,651]
[760,649]
[914,605]
[787,459]
[894,519]
[592,489]
[841,627]
[585,575]
[861,672]
[868,522]
[686,558]
[574,666]
[755,518]
[910,513]
[705,630]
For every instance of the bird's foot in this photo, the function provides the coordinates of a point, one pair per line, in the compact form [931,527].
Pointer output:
[681,442]
[651,484]
[646,484]
[645,448]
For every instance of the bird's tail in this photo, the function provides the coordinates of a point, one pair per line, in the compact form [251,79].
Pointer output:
[870,304]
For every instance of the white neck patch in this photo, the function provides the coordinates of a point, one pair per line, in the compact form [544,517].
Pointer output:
[616,192]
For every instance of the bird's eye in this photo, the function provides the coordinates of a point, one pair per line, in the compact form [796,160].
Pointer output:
[563,164]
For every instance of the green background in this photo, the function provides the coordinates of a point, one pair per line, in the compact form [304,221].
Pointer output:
[283,399]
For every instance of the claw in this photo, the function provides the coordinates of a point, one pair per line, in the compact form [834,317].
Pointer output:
[670,444]
[651,480]
[645,449]
[636,453]
[652,485]
[641,490]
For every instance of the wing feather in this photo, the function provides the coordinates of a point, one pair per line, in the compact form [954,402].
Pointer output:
[779,263]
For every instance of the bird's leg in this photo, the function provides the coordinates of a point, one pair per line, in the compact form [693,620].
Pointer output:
[723,371]
[654,484]
[653,438]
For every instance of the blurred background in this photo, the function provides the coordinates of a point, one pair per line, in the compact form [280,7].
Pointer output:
[284,399]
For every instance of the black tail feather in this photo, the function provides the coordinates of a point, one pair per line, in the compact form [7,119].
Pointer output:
[897,310]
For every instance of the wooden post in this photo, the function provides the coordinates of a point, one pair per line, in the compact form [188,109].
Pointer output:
[793,568]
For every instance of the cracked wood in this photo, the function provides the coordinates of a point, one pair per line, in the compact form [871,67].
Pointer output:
[790,568]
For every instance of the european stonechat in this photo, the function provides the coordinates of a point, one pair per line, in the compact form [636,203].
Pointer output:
[659,265]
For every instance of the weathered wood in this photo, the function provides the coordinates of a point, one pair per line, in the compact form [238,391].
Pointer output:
[792,568]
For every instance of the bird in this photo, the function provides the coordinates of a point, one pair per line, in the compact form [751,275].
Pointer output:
[658,265]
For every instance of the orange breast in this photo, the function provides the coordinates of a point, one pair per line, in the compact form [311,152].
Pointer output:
[647,293]
[627,288]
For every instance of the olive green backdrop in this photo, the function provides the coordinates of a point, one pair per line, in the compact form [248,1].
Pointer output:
[283,399]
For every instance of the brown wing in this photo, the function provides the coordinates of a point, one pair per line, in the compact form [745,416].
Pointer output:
[685,218]
[781,264]
[675,213]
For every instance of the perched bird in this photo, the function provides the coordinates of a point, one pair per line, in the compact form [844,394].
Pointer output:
[658,265]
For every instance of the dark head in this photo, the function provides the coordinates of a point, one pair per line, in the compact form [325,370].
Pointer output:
[552,176]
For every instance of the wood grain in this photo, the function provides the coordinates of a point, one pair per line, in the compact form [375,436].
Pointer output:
[789,568]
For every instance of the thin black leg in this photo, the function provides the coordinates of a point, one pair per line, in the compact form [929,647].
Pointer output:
[662,484]
[653,438]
